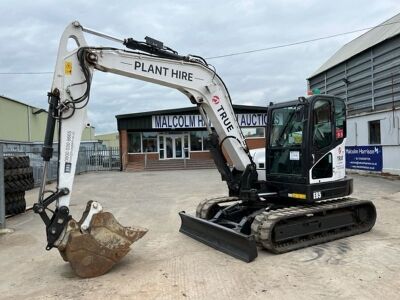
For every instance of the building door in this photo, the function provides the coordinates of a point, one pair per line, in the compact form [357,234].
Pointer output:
[171,146]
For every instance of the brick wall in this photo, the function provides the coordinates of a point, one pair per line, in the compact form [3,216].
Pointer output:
[200,155]
[256,143]
[141,156]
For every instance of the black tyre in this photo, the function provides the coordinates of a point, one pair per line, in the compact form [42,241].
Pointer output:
[14,208]
[21,206]
[15,203]
[14,162]
[8,209]
[19,185]
[18,177]
[14,197]
[18,171]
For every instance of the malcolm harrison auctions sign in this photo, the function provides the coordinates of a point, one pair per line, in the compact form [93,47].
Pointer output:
[196,121]
[368,158]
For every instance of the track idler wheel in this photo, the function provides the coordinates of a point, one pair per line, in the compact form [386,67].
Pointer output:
[96,250]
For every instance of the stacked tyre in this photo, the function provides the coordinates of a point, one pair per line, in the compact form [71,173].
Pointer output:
[18,178]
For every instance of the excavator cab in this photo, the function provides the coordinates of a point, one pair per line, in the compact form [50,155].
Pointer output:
[305,154]
[301,195]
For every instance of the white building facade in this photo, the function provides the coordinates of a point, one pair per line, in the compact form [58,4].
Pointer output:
[366,74]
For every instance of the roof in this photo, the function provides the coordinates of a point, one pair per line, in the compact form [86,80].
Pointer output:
[378,34]
[192,109]
[17,101]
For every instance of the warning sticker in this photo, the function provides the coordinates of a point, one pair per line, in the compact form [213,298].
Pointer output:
[68,68]
[294,155]
[339,133]
[67,168]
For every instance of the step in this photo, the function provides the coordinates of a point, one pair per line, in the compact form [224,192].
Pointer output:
[173,164]
[135,166]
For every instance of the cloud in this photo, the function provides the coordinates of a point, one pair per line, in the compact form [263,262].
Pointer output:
[30,32]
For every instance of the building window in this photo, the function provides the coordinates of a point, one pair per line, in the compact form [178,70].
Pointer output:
[374,132]
[134,142]
[196,140]
[149,141]
[253,132]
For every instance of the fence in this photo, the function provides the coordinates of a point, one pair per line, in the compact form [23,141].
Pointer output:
[2,198]
[88,160]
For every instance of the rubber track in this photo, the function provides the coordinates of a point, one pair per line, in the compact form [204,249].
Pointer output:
[263,224]
[204,206]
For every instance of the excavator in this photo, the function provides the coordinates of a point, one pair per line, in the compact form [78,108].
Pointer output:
[292,194]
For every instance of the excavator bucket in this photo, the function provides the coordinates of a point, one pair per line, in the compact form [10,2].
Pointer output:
[94,252]
[219,237]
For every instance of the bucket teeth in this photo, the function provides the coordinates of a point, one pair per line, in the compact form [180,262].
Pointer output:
[96,251]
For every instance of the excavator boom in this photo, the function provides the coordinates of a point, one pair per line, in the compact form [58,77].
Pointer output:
[98,241]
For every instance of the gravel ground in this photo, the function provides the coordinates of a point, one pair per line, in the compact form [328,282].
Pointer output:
[166,264]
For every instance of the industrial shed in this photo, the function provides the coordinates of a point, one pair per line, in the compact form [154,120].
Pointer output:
[22,127]
[366,73]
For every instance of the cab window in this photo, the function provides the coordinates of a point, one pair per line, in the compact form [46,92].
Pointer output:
[287,127]
[322,125]
[340,119]
[286,139]
[324,168]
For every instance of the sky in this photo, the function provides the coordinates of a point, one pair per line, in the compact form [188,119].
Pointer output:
[30,32]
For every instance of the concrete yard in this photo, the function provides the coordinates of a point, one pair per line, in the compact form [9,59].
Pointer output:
[166,264]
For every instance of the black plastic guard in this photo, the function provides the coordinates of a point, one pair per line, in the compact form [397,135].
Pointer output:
[226,240]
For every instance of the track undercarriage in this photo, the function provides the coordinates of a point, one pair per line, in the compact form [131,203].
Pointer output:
[236,227]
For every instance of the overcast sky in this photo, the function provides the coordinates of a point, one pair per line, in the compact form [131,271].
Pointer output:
[30,31]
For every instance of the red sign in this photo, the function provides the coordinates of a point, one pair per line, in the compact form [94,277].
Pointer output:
[339,133]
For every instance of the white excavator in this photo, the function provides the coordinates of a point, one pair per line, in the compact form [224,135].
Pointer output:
[290,195]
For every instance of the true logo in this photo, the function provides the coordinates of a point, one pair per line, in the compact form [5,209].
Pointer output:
[215,99]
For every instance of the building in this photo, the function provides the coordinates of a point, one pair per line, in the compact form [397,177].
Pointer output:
[23,126]
[110,140]
[366,73]
[179,134]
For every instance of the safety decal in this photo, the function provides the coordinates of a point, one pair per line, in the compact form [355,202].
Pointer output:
[294,155]
[339,133]
[68,68]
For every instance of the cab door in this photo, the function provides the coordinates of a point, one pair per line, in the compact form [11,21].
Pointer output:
[285,146]
[327,137]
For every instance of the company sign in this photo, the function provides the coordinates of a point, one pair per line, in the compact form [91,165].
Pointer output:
[196,121]
[367,158]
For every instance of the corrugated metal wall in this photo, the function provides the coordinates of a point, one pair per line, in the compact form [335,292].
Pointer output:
[369,81]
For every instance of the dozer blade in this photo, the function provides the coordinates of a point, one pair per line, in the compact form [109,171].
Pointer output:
[219,237]
[96,251]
